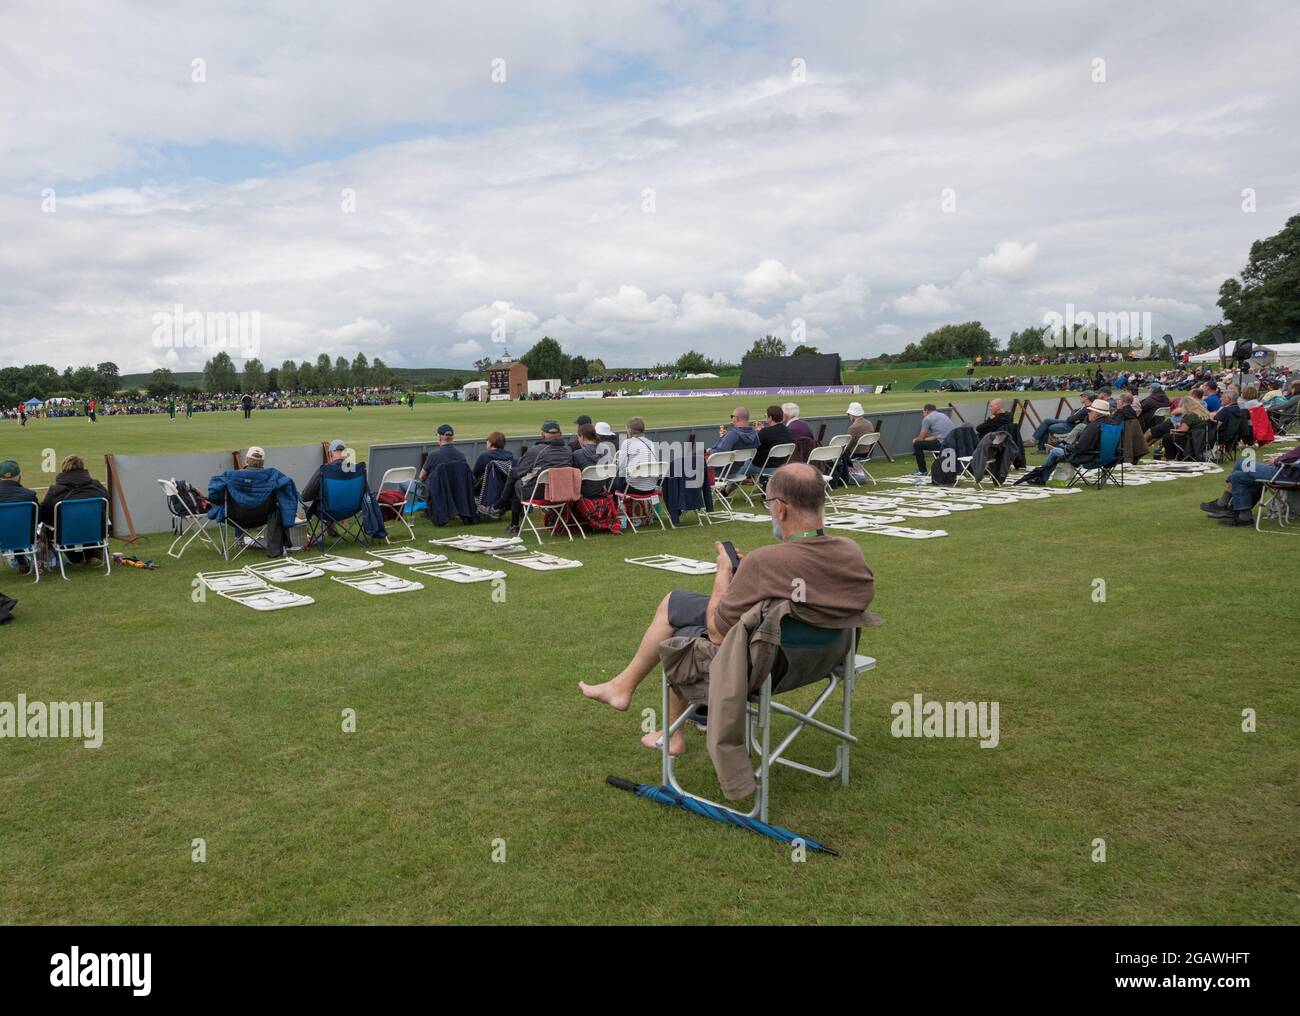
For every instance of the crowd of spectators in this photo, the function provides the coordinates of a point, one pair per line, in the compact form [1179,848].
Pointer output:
[215,402]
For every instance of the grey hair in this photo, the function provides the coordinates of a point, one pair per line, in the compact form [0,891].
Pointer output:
[791,410]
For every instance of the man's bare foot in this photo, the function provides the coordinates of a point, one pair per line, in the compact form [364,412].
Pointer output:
[610,692]
[654,740]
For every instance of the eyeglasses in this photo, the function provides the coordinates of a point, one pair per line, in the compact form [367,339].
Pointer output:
[767,501]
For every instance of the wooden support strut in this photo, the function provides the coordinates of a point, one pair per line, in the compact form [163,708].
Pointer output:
[881,445]
[115,488]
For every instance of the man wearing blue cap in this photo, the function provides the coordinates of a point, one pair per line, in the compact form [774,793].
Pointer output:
[446,453]
[549,453]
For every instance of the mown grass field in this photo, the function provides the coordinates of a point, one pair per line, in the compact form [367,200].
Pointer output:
[1119,720]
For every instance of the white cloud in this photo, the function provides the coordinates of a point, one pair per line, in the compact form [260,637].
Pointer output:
[770,280]
[522,201]
[928,300]
[1009,260]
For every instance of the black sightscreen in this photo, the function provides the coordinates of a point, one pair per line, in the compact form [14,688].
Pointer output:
[790,371]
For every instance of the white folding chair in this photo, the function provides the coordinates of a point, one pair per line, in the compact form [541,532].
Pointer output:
[762,704]
[645,501]
[540,502]
[603,473]
[778,453]
[403,477]
[723,465]
[824,461]
[839,441]
[187,524]
[867,443]
[742,474]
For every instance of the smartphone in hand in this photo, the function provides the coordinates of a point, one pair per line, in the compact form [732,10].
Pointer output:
[730,548]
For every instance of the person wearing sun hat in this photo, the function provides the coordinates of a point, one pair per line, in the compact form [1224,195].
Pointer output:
[858,424]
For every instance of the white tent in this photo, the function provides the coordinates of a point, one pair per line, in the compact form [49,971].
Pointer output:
[476,391]
[1285,354]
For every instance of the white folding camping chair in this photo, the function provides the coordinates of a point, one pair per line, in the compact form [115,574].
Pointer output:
[838,442]
[866,443]
[642,502]
[762,704]
[187,524]
[403,477]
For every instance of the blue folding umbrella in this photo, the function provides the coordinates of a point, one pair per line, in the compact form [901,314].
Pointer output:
[668,796]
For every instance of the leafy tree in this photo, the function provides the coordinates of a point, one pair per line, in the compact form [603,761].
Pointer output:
[289,376]
[161,383]
[342,372]
[324,371]
[361,371]
[768,345]
[219,374]
[380,374]
[306,377]
[952,342]
[805,351]
[579,366]
[273,379]
[106,380]
[483,364]
[254,376]
[692,362]
[1265,304]
[547,360]
[596,368]
[1028,341]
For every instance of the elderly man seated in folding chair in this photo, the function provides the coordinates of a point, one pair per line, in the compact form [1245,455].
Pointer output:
[720,647]
[251,498]
[339,503]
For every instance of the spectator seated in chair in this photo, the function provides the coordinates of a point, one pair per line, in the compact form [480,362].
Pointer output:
[548,453]
[1053,426]
[734,437]
[72,482]
[935,426]
[774,432]
[496,452]
[1245,484]
[837,589]
[12,491]
[258,495]
[446,453]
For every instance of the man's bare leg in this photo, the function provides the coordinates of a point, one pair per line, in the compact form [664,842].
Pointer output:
[676,706]
[617,691]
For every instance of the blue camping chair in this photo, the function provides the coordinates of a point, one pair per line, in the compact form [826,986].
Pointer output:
[18,529]
[795,636]
[81,526]
[1108,458]
[340,507]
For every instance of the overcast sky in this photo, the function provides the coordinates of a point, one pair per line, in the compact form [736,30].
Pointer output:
[648,177]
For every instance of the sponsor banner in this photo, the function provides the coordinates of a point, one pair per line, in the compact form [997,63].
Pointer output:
[807,390]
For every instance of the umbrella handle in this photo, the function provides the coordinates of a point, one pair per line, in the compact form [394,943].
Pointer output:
[621,784]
